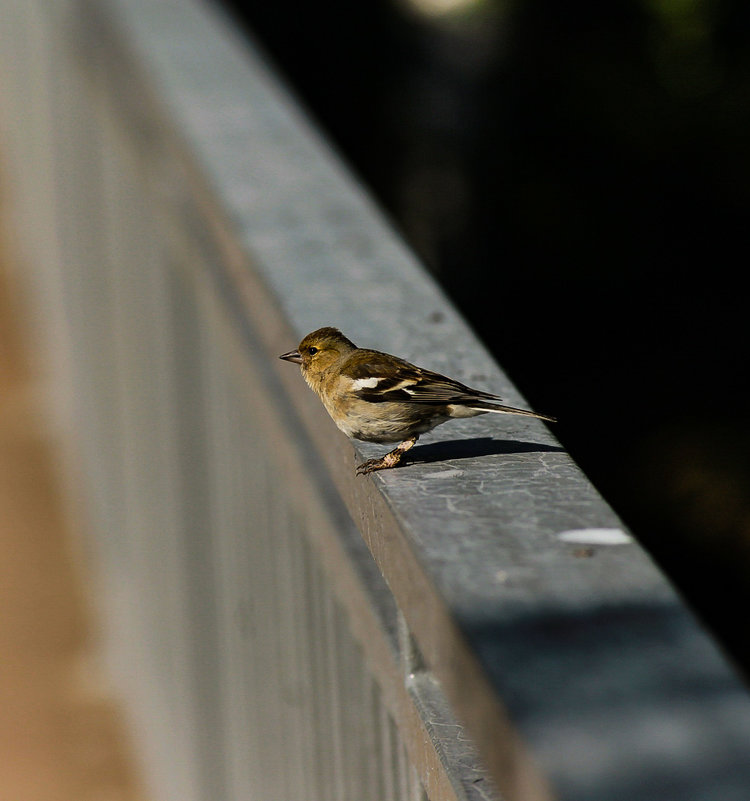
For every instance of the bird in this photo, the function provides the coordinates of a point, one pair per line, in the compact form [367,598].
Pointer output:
[376,397]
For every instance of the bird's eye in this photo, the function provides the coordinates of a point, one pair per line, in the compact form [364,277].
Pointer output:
[312,350]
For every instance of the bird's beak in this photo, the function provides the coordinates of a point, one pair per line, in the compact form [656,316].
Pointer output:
[292,356]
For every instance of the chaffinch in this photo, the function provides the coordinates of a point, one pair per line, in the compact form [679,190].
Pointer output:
[376,397]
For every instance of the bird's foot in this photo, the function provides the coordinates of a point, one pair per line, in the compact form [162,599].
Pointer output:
[383,463]
[391,459]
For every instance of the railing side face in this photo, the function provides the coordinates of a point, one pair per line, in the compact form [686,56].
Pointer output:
[245,621]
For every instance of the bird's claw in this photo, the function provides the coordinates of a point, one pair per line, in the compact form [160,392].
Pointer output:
[391,459]
[383,463]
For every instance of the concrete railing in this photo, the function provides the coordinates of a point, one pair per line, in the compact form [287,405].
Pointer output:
[474,625]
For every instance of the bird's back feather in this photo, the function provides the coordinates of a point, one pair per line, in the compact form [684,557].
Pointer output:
[381,378]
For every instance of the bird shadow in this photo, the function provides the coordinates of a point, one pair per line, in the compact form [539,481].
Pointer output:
[471,448]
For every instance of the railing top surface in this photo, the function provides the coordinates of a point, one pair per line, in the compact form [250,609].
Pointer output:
[491,535]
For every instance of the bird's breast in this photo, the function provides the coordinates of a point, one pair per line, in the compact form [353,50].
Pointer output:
[388,422]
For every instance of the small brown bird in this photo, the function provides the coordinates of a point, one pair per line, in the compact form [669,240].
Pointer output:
[376,397]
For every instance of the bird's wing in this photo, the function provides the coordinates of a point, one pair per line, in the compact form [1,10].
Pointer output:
[378,377]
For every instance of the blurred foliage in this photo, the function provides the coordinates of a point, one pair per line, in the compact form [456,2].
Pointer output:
[577,176]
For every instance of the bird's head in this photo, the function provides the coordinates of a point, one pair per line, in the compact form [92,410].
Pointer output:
[319,350]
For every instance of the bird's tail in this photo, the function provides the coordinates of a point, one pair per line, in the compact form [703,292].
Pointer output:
[500,409]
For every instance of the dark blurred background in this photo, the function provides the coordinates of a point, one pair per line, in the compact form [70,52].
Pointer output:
[577,177]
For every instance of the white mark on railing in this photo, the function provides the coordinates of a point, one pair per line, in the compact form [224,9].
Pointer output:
[595,536]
